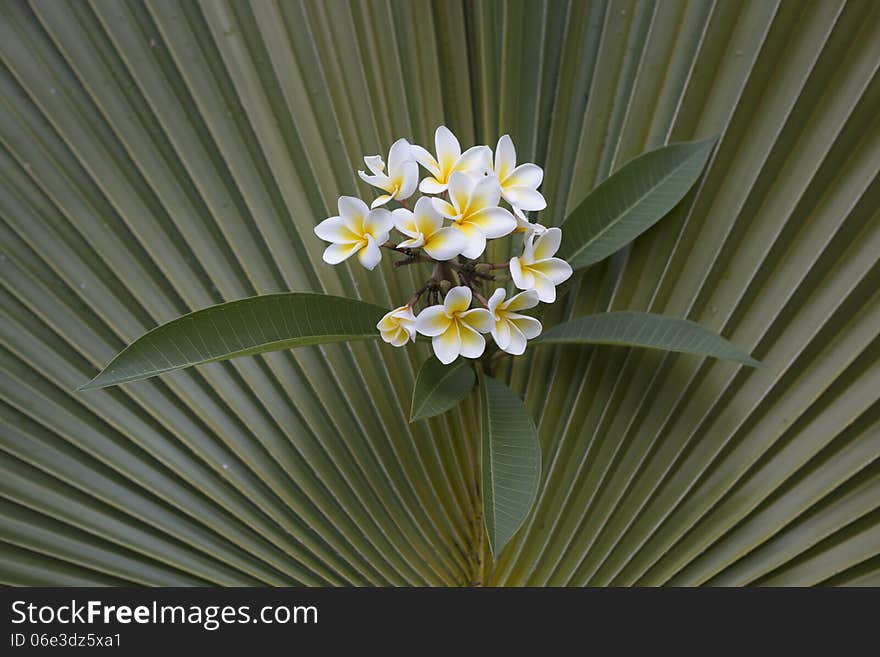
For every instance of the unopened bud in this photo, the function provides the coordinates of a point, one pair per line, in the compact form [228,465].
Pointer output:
[483,268]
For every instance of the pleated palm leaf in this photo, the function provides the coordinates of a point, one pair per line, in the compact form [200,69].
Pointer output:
[164,157]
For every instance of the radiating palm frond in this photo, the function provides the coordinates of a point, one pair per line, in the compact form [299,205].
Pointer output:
[157,158]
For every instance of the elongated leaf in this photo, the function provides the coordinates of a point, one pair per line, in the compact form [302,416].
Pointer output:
[634,329]
[241,328]
[511,464]
[440,387]
[632,200]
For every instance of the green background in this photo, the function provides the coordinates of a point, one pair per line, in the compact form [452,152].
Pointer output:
[158,158]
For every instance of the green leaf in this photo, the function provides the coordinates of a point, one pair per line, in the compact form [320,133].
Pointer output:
[241,328]
[440,387]
[511,462]
[632,200]
[635,329]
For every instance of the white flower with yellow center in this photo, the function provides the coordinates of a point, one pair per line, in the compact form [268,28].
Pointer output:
[402,177]
[453,328]
[357,229]
[519,184]
[473,208]
[398,327]
[510,329]
[449,160]
[537,269]
[424,228]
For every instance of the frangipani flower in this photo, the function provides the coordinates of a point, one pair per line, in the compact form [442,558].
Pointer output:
[473,208]
[510,330]
[424,228]
[357,229]
[398,327]
[449,159]
[402,177]
[455,330]
[519,184]
[536,269]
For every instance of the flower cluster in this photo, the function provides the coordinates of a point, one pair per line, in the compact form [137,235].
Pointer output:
[449,226]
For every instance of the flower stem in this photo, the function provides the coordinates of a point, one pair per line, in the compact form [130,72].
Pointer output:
[444,271]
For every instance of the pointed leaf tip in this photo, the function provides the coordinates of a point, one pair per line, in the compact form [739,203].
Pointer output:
[649,330]
[511,462]
[631,200]
[241,328]
[440,387]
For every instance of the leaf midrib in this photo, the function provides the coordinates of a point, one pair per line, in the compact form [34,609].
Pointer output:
[452,370]
[628,209]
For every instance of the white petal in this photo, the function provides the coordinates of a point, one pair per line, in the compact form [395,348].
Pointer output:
[409,180]
[404,314]
[375,164]
[431,185]
[525,175]
[485,194]
[457,300]
[393,318]
[524,197]
[505,157]
[556,269]
[522,301]
[443,208]
[493,222]
[371,254]
[404,222]
[447,345]
[528,255]
[336,253]
[476,158]
[353,210]
[379,201]
[517,344]
[414,243]
[432,321]
[545,288]
[388,334]
[424,158]
[446,243]
[460,187]
[501,334]
[334,229]
[381,181]
[400,152]
[497,298]
[472,343]
[476,241]
[401,337]
[378,224]
[522,278]
[530,327]
[547,244]
[427,219]
[478,319]
[448,148]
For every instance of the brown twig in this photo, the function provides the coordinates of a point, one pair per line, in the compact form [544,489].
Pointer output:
[482,299]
